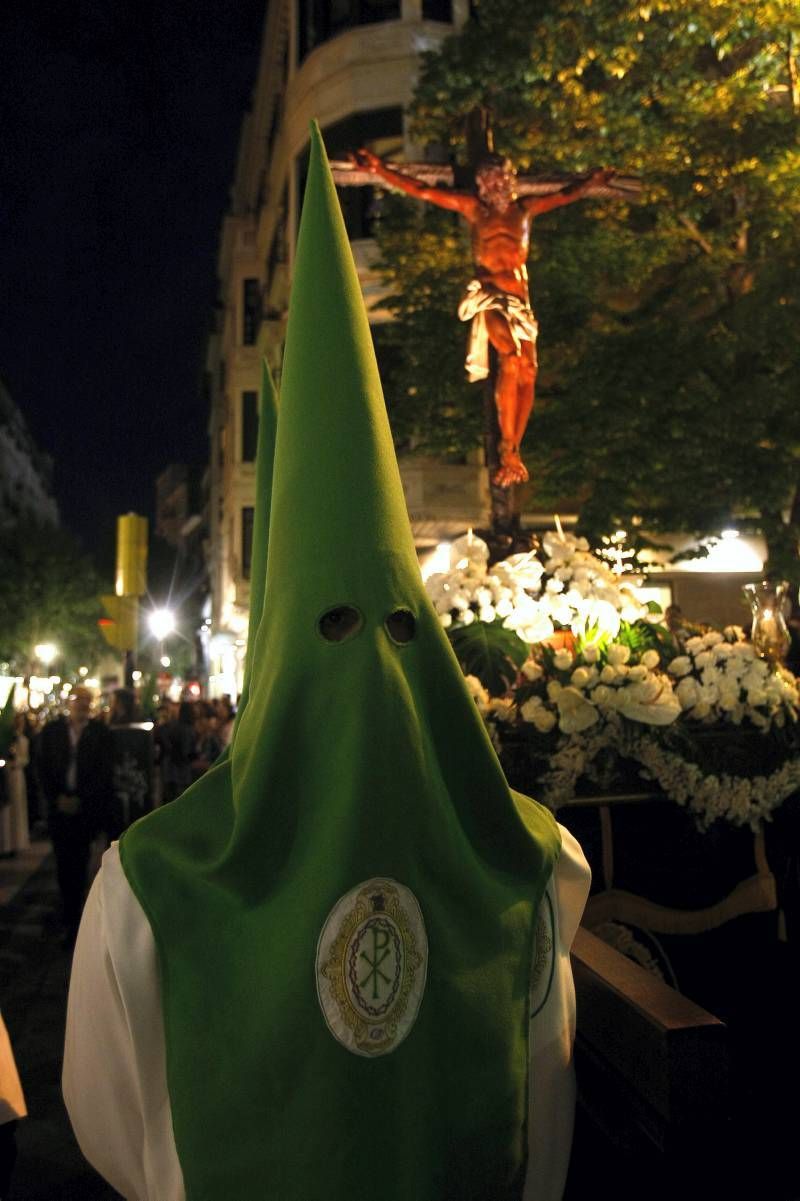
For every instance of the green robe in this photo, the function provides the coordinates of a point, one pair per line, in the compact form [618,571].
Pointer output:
[344,909]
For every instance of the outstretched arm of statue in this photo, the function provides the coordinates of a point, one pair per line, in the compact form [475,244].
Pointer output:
[534,205]
[459,202]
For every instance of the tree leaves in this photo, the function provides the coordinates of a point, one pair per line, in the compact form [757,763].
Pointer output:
[669,330]
[48,593]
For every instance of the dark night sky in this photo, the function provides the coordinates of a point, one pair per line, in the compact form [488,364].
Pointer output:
[120,122]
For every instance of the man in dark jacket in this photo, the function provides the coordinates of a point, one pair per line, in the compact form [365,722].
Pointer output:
[76,767]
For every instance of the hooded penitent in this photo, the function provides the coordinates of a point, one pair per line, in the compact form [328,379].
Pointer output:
[344,911]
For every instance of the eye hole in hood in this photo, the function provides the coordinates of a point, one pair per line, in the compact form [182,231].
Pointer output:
[401,626]
[340,623]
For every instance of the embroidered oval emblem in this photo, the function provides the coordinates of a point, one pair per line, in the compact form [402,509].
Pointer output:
[372,960]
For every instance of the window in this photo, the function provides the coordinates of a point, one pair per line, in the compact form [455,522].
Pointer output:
[319,20]
[381,129]
[437,10]
[251,311]
[249,426]
[247,540]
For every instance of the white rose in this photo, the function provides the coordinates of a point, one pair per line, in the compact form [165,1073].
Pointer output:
[646,692]
[650,659]
[580,677]
[502,709]
[562,659]
[618,654]
[591,654]
[532,670]
[553,689]
[608,674]
[477,690]
[602,695]
[638,673]
[529,708]
[688,693]
[544,720]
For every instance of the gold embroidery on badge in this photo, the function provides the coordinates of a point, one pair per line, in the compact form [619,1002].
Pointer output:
[376,965]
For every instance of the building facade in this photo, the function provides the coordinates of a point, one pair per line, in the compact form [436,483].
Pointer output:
[25,494]
[352,66]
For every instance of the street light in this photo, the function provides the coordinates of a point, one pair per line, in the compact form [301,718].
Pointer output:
[162,623]
[45,652]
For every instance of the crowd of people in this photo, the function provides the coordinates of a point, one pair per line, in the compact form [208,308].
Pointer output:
[81,774]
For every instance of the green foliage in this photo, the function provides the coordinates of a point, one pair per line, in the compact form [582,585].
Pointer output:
[48,593]
[643,636]
[491,653]
[670,329]
[431,406]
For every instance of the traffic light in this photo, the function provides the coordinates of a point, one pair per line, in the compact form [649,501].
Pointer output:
[120,628]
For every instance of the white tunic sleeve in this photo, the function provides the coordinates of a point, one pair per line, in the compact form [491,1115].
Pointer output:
[552,1100]
[114,1080]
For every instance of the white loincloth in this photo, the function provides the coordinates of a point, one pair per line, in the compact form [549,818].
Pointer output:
[480,298]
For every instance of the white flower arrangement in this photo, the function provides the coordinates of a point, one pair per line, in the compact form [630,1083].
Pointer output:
[562,585]
[575,692]
[720,678]
[741,800]
[602,676]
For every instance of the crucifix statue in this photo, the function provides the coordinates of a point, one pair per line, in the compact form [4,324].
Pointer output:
[497,304]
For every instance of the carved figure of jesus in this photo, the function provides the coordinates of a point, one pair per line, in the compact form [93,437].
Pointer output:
[496,302]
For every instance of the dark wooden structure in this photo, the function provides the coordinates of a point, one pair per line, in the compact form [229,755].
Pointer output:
[653,1073]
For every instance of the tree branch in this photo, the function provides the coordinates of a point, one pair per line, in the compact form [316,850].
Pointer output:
[695,235]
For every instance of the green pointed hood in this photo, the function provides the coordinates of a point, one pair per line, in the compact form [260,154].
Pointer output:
[340,537]
[355,889]
[265,454]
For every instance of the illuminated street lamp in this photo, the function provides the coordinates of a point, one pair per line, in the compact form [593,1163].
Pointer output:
[162,623]
[45,652]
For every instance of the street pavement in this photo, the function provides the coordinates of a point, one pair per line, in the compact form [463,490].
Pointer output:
[34,976]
